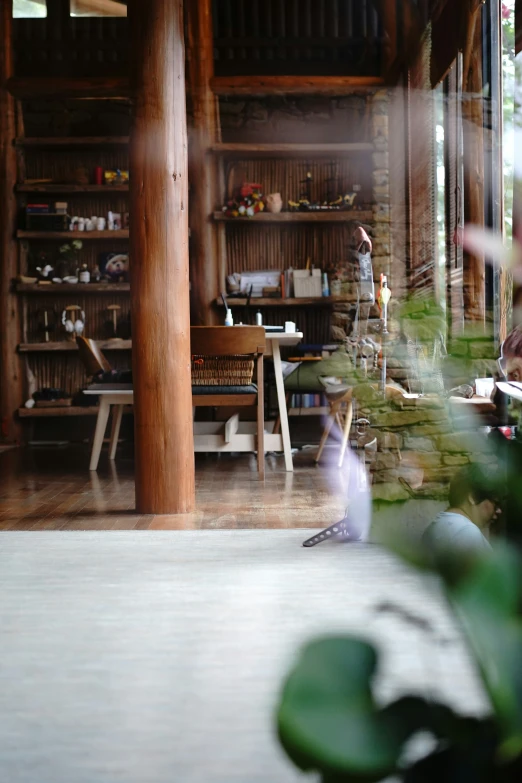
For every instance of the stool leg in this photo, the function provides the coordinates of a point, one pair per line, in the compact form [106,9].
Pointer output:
[346,433]
[332,416]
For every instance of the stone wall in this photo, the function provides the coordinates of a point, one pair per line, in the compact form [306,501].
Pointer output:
[417,440]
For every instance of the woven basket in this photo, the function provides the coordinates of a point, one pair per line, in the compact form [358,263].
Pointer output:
[222,370]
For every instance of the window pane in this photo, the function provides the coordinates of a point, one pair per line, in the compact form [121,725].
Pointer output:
[29,9]
[98,8]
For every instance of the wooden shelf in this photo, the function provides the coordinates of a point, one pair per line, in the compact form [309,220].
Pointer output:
[319,301]
[69,345]
[68,288]
[294,85]
[71,141]
[294,150]
[53,187]
[333,216]
[46,413]
[83,87]
[83,235]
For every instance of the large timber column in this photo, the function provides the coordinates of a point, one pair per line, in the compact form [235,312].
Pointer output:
[202,164]
[159,261]
[10,379]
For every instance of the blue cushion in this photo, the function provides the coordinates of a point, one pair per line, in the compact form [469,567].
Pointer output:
[206,390]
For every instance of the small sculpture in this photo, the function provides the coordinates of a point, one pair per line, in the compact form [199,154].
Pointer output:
[274,203]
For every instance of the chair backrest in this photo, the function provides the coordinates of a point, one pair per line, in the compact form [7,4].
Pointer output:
[227,340]
[92,358]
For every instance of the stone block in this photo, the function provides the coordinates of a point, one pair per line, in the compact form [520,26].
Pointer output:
[418,444]
[389,440]
[384,461]
[482,349]
[389,492]
[381,160]
[427,430]
[382,247]
[351,102]
[421,459]
[455,459]
[381,191]
[398,419]
[380,143]
[381,232]
[383,476]
[463,442]
[381,177]
[381,213]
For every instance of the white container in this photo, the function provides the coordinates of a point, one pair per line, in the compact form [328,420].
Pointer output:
[100,224]
[290,327]
[229,321]
[259,319]
[307,283]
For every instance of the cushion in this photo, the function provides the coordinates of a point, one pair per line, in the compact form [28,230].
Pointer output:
[306,375]
[207,390]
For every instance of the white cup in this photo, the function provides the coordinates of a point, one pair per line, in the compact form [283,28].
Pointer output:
[100,224]
[289,327]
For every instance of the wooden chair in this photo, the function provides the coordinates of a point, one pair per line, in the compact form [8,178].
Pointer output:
[91,357]
[232,341]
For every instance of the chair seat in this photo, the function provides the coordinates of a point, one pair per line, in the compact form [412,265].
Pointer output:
[211,390]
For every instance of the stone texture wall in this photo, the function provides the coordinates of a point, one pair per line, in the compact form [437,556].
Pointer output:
[417,440]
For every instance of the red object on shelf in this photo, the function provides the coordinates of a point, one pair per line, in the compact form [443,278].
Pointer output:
[249,188]
[98,175]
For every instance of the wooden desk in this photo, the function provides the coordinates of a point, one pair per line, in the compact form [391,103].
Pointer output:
[207,436]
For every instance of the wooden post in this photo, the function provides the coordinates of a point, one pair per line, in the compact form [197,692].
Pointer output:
[473,127]
[202,166]
[10,376]
[160,307]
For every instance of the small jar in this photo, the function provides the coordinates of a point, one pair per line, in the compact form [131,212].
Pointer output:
[85,275]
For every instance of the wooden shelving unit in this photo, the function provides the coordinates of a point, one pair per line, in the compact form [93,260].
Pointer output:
[319,301]
[47,413]
[68,345]
[56,362]
[56,187]
[293,150]
[327,216]
[83,235]
[63,142]
[68,288]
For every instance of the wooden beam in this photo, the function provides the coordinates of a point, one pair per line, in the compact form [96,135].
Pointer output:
[204,265]
[87,87]
[294,85]
[160,308]
[11,389]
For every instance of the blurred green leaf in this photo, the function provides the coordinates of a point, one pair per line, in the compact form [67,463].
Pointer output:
[486,603]
[328,719]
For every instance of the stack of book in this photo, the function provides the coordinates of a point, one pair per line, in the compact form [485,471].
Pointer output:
[308,401]
[46,217]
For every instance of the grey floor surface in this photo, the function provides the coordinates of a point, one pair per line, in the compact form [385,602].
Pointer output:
[147,657]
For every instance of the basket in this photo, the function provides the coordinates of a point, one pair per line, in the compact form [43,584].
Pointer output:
[222,370]
[307,283]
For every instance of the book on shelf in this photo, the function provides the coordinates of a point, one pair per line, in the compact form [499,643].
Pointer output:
[308,400]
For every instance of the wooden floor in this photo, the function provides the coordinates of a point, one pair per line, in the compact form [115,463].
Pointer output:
[52,489]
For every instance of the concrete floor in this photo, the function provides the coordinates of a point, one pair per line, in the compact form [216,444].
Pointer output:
[157,656]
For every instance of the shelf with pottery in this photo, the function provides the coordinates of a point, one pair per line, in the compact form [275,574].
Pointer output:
[42,142]
[68,188]
[69,345]
[68,288]
[294,150]
[313,216]
[83,235]
[315,301]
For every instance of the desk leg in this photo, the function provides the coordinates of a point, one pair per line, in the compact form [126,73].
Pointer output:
[101,426]
[117,414]
[281,400]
